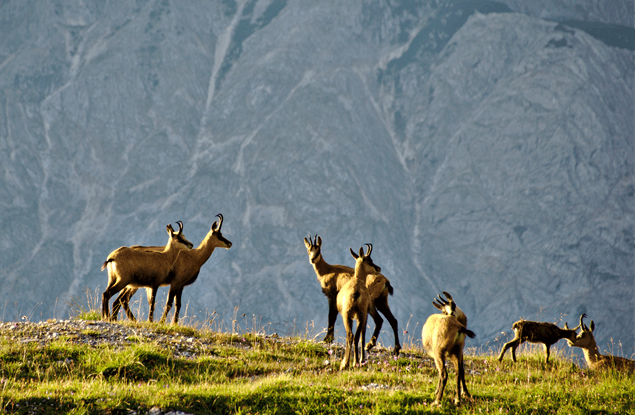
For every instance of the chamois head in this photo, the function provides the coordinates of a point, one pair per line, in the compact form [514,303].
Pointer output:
[180,238]
[585,338]
[313,248]
[447,307]
[216,233]
[365,262]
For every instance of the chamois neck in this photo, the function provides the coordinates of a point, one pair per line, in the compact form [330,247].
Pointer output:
[321,267]
[360,273]
[205,249]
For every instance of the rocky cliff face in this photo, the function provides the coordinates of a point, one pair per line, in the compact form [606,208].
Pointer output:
[484,148]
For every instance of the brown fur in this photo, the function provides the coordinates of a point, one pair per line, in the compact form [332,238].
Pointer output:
[594,359]
[449,308]
[536,332]
[184,272]
[140,268]
[444,336]
[333,277]
[353,302]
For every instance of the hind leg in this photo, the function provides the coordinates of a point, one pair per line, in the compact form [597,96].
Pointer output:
[378,323]
[385,310]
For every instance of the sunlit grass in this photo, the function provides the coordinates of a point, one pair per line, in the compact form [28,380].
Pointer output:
[244,371]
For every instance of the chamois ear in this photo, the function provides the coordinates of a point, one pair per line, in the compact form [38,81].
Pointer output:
[354,254]
[361,251]
[169,229]
[438,306]
[215,226]
[592,326]
[318,241]
[307,243]
[566,326]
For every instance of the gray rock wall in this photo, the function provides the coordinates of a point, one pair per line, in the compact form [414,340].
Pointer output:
[484,148]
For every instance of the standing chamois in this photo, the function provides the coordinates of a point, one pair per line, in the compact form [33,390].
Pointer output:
[536,332]
[123,299]
[596,361]
[444,336]
[184,271]
[448,307]
[333,277]
[140,268]
[353,302]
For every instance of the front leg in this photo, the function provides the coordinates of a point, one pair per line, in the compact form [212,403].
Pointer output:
[330,331]
[152,292]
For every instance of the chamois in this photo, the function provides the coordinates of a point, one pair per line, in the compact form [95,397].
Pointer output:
[536,332]
[333,277]
[140,268]
[444,336]
[189,263]
[448,307]
[123,300]
[353,302]
[596,361]
[184,271]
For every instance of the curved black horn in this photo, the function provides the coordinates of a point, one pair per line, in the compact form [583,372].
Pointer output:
[220,221]
[584,327]
[178,222]
[443,300]
[370,249]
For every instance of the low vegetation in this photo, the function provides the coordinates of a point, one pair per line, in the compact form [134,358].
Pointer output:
[82,366]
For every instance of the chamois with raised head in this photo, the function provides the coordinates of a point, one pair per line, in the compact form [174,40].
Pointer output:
[353,302]
[188,265]
[536,332]
[184,271]
[449,307]
[140,268]
[443,336]
[123,299]
[333,277]
[594,359]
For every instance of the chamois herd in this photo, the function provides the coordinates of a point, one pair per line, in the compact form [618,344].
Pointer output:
[352,292]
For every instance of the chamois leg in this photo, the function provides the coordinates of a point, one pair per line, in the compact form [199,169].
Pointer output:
[457,368]
[378,323]
[465,391]
[546,346]
[123,300]
[107,295]
[151,292]
[360,332]
[513,344]
[443,378]
[330,331]
[168,305]
[383,308]
[348,325]
[177,310]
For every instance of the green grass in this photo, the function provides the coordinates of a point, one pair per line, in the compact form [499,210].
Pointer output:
[249,374]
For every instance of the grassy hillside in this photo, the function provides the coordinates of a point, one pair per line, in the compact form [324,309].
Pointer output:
[83,366]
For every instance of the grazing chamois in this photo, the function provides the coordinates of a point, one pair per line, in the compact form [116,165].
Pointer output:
[140,268]
[353,302]
[184,271]
[596,361]
[333,277]
[444,336]
[448,307]
[123,300]
[536,332]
